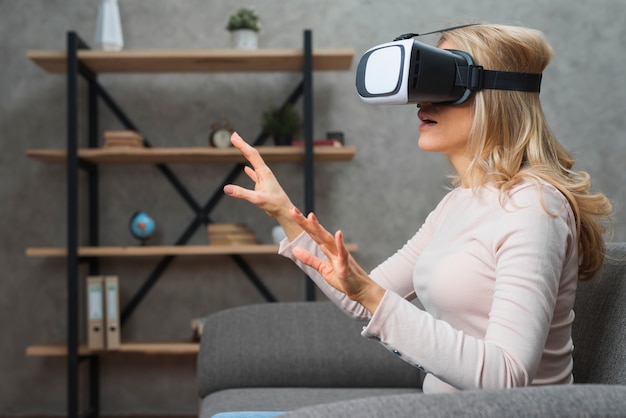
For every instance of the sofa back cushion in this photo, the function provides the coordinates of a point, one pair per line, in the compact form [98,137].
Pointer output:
[599,329]
[294,344]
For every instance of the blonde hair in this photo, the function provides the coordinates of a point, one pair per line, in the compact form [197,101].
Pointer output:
[510,139]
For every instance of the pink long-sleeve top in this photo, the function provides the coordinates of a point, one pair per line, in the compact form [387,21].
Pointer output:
[497,279]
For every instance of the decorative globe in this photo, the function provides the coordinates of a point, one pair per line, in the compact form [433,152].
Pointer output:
[142,226]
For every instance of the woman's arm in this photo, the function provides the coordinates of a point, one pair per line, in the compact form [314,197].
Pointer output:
[338,276]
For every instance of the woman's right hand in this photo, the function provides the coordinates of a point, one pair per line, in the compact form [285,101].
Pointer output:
[268,194]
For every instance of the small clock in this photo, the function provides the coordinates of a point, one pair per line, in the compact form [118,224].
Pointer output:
[220,135]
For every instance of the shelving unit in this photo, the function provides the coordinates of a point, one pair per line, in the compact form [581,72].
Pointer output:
[79,61]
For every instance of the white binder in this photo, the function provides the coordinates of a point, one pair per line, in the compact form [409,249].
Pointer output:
[95,313]
[112,318]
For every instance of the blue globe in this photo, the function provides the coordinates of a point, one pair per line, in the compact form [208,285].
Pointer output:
[142,226]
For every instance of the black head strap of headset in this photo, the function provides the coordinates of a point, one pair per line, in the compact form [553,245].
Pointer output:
[414,35]
[477,78]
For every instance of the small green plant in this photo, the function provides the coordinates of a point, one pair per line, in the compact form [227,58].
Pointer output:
[282,123]
[245,18]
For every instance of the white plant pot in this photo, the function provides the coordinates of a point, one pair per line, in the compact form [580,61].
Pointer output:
[109,27]
[244,39]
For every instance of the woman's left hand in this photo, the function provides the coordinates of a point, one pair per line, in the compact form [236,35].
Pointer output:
[340,269]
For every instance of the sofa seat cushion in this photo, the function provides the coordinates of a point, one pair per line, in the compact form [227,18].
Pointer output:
[285,399]
[558,401]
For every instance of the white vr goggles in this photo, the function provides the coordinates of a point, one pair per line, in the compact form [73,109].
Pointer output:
[407,71]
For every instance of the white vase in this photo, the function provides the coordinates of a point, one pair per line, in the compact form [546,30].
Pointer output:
[109,26]
[244,39]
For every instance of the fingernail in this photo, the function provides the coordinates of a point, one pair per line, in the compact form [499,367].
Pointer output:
[228,189]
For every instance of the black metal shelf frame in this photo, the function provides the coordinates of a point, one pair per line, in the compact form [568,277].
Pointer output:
[75,70]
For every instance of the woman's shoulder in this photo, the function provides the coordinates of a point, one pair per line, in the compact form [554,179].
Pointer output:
[536,193]
[530,192]
[537,187]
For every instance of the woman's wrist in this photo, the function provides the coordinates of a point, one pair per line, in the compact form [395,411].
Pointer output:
[285,220]
[371,297]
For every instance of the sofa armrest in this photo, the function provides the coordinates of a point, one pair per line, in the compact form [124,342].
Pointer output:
[558,401]
[298,344]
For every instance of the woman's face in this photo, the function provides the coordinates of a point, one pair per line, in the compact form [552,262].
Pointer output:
[446,129]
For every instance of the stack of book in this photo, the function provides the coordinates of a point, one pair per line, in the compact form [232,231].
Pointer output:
[124,138]
[230,234]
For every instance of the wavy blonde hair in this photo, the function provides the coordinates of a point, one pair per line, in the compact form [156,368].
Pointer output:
[510,139]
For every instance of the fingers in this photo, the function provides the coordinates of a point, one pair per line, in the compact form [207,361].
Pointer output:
[316,231]
[342,253]
[237,141]
[326,239]
[341,246]
[259,168]
[251,173]
[240,193]
[249,152]
[253,156]
[307,258]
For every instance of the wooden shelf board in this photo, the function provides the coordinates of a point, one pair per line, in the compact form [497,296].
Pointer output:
[165,348]
[135,155]
[176,250]
[208,60]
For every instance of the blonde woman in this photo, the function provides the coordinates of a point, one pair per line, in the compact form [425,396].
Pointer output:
[496,263]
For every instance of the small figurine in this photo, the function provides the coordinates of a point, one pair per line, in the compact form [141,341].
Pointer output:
[141,226]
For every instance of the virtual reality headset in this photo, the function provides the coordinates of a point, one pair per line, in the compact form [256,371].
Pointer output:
[407,71]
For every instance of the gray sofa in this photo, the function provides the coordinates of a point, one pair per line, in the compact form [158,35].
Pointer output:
[309,358]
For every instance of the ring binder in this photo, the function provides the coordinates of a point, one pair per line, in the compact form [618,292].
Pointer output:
[95,313]
[111,296]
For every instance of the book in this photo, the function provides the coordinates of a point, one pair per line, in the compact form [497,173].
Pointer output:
[230,234]
[123,138]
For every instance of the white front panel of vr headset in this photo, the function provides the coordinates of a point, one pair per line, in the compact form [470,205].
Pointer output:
[386,67]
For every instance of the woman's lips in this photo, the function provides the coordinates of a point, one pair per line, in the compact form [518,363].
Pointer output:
[427,120]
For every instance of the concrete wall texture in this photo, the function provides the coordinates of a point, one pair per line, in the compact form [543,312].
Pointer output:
[379,199]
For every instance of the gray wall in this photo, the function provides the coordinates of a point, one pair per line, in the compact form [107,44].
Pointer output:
[379,199]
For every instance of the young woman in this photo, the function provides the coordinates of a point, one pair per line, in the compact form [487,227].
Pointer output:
[496,263]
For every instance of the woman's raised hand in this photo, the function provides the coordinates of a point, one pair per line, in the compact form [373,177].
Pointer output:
[268,194]
[340,269]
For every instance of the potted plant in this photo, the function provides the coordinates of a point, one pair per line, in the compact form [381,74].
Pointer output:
[282,123]
[244,27]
